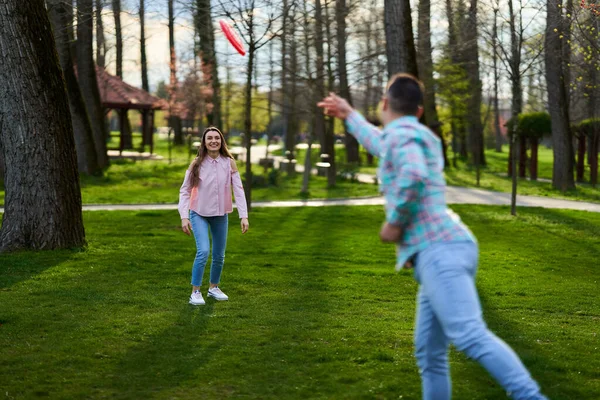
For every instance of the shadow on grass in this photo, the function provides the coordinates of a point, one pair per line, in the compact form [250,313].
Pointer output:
[24,265]
[541,361]
[160,363]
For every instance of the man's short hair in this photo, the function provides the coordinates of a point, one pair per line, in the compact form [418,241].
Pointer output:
[405,94]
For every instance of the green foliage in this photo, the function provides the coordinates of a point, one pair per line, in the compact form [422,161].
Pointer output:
[589,127]
[534,125]
[237,103]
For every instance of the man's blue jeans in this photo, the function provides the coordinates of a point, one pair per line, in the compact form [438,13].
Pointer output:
[218,230]
[448,311]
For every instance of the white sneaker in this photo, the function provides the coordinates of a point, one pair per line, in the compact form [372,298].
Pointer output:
[216,294]
[197,299]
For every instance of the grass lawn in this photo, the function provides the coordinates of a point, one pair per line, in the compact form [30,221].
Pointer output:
[316,311]
[493,176]
[142,182]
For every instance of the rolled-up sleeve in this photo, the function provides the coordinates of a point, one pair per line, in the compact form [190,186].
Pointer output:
[368,135]
[184,196]
[240,196]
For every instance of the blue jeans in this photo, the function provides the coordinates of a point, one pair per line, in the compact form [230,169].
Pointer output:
[218,230]
[448,311]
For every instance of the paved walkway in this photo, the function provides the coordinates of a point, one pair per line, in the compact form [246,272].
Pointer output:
[454,195]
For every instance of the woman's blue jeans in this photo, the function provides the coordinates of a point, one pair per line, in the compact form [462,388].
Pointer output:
[218,230]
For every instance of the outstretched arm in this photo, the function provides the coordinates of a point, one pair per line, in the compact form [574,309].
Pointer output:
[368,135]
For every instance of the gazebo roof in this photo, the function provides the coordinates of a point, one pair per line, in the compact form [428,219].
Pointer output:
[116,94]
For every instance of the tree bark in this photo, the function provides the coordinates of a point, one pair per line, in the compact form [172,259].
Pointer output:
[400,44]
[352,154]
[100,41]
[209,61]
[522,157]
[472,67]
[327,134]
[292,120]
[426,61]
[516,85]
[289,139]
[174,120]
[43,200]
[116,5]
[594,147]
[316,93]
[581,141]
[86,74]
[330,40]
[533,163]
[143,60]
[498,133]
[87,162]
[562,145]
[248,115]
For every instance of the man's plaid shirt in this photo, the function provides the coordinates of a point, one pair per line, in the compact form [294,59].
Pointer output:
[412,181]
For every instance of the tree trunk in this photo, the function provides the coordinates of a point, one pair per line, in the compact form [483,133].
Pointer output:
[400,44]
[289,140]
[496,79]
[116,5]
[248,117]
[474,109]
[292,120]
[562,146]
[522,157]
[510,156]
[86,74]
[581,141]
[594,147]
[174,120]
[330,40]
[143,60]
[341,11]
[315,93]
[43,201]
[426,61]
[87,162]
[100,41]
[209,61]
[516,86]
[328,135]
[533,163]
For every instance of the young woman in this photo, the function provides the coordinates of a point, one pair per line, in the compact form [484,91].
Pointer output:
[204,203]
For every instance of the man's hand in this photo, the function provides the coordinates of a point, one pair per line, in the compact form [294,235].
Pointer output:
[335,106]
[186,226]
[390,233]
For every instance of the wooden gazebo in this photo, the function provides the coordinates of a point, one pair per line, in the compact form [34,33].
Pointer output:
[122,97]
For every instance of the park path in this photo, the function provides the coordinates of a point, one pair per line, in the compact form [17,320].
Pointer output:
[454,195]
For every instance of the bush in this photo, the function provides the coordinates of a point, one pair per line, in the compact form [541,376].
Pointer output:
[534,125]
[589,127]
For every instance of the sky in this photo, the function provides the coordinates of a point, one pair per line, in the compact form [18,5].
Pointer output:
[157,40]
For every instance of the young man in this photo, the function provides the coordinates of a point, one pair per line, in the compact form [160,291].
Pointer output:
[433,239]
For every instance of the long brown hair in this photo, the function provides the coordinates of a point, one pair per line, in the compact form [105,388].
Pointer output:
[203,151]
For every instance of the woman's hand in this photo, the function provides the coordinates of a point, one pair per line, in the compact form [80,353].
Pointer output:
[245,225]
[186,226]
